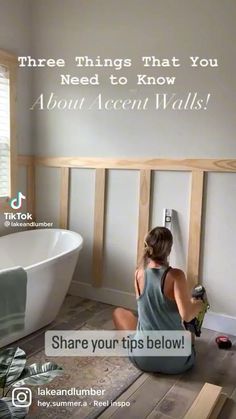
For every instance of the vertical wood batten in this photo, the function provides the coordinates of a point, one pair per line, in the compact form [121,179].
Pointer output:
[195,223]
[99,216]
[144,209]
[31,188]
[64,197]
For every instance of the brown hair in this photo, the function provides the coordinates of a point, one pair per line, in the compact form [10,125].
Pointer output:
[157,246]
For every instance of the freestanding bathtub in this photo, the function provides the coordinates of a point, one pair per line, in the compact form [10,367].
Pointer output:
[49,257]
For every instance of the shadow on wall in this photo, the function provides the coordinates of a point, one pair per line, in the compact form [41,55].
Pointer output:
[83,269]
[178,257]
[118,271]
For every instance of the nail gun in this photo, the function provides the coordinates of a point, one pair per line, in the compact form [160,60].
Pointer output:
[195,324]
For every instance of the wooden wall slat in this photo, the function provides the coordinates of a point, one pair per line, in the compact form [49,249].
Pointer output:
[195,224]
[31,189]
[64,197]
[7,56]
[99,216]
[212,165]
[10,60]
[144,209]
[25,160]
[196,166]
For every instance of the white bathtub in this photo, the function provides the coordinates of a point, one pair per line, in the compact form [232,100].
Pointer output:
[49,257]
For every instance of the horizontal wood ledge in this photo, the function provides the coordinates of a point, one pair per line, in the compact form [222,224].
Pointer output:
[211,165]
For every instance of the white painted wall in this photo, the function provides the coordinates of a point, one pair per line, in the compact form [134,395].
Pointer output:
[132,28]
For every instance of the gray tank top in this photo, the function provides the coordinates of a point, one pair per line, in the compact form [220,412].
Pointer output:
[155,310]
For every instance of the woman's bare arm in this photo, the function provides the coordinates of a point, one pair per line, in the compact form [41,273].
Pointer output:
[139,282]
[187,306]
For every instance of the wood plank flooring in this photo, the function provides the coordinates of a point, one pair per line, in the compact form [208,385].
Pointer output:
[163,397]
[151,396]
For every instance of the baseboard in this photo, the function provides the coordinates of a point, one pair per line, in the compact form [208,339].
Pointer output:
[214,321]
[105,295]
[220,323]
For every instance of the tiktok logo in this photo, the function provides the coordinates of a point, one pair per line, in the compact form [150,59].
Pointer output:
[16,203]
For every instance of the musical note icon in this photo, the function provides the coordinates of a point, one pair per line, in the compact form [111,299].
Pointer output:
[16,203]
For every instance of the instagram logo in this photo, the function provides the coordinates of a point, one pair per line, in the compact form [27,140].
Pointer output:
[21,397]
[16,203]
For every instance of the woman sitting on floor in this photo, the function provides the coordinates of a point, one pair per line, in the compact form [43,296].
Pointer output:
[163,300]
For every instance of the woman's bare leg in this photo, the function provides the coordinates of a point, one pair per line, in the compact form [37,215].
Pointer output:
[124,319]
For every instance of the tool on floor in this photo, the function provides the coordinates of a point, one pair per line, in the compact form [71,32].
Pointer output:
[223,342]
[195,324]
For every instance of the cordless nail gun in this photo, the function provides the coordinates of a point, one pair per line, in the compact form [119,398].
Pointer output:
[195,324]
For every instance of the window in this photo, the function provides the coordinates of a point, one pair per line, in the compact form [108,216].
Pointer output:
[4,131]
[7,126]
